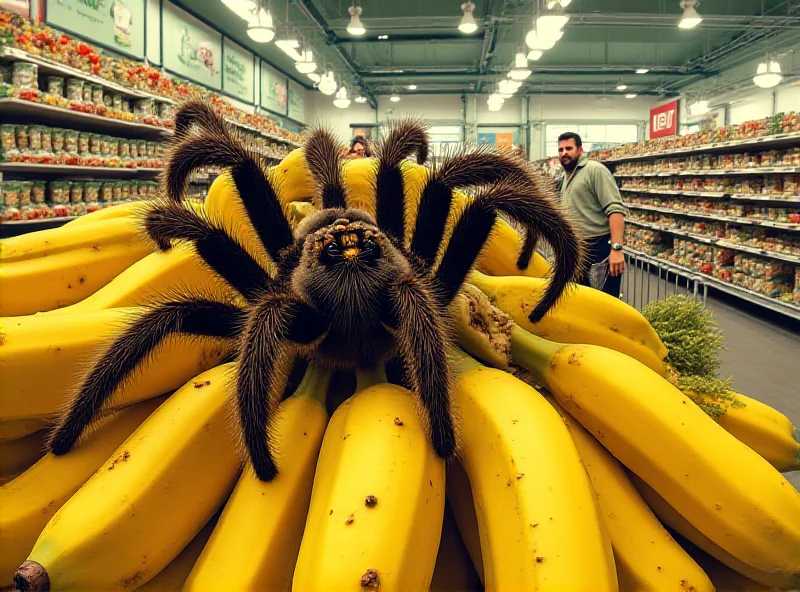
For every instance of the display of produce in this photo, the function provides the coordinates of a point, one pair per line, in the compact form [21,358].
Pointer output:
[700,163]
[359,499]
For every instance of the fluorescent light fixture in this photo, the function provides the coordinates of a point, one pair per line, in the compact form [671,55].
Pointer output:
[536,42]
[552,20]
[507,87]
[383,37]
[327,86]
[314,76]
[699,108]
[307,64]
[355,27]
[467,24]
[242,8]
[630,96]
[690,18]
[535,54]
[341,101]
[260,27]
[549,35]
[495,106]
[622,86]
[521,70]
[495,99]
[394,98]
[768,76]
[290,47]
[412,87]
[642,70]
[361,99]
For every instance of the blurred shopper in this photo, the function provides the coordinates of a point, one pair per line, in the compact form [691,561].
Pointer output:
[590,194]
[359,148]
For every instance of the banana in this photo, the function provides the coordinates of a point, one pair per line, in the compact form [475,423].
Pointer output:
[459,496]
[647,557]
[61,279]
[173,577]
[257,538]
[154,278]
[30,500]
[130,208]
[148,501]
[63,345]
[17,455]
[583,315]
[454,571]
[499,256]
[691,461]
[19,428]
[377,503]
[724,578]
[536,511]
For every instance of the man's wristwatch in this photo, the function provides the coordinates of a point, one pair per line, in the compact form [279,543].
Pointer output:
[615,246]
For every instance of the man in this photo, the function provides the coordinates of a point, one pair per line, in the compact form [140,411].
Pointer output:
[590,195]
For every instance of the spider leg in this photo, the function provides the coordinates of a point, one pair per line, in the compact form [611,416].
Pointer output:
[214,143]
[168,221]
[522,199]
[422,347]
[322,150]
[188,317]
[278,323]
[462,169]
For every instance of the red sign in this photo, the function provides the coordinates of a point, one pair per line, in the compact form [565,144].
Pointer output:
[664,120]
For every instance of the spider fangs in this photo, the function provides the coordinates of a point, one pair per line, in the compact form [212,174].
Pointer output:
[349,291]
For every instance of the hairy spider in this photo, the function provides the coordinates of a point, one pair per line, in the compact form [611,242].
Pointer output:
[348,292]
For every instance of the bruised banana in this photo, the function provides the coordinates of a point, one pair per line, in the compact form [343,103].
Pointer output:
[17,455]
[377,503]
[66,344]
[149,499]
[647,557]
[30,500]
[62,279]
[582,315]
[536,511]
[721,486]
[257,539]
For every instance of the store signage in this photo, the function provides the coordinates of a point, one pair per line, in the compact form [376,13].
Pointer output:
[273,90]
[238,71]
[297,95]
[664,120]
[192,49]
[115,24]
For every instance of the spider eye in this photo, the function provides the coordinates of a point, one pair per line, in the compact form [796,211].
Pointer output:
[369,245]
[332,249]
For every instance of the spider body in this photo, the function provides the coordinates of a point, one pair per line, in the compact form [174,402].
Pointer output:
[350,290]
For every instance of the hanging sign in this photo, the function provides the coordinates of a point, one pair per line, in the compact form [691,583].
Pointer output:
[238,71]
[115,24]
[664,120]
[273,90]
[191,48]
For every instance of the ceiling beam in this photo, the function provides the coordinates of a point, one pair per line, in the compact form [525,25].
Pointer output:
[410,38]
[583,70]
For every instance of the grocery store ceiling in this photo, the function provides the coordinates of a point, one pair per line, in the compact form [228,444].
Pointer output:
[604,42]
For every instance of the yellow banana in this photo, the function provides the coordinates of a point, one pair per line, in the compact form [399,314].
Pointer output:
[19,428]
[647,557]
[17,455]
[378,499]
[459,496]
[64,345]
[131,208]
[500,254]
[536,511]
[148,501]
[724,578]
[173,577]
[45,283]
[454,571]
[257,538]
[583,315]
[30,500]
[154,279]
[691,461]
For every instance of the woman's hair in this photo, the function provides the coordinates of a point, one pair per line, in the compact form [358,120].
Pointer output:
[364,142]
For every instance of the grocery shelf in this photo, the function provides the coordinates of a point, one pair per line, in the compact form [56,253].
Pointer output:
[721,285]
[255,130]
[16,228]
[717,217]
[718,242]
[703,173]
[762,142]
[742,196]
[70,170]
[48,114]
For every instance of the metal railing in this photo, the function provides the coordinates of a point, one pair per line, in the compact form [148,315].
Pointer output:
[648,279]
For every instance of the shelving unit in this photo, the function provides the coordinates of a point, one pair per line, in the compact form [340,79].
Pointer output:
[77,171]
[718,217]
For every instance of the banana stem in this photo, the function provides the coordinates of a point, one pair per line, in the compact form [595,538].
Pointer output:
[460,361]
[315,384]
[368,377]
[533,353]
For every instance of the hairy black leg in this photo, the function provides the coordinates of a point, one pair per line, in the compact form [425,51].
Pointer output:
[323,155]
[275,324]
[422,346]
[188,317]
[460,170]
[170,221]
[528,247]
[198,112]
[526,200]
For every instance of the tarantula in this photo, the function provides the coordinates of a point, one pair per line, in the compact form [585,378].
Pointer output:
[348,292]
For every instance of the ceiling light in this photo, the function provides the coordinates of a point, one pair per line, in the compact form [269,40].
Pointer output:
[241,8]
[361,99]
[307,64]
[506,87]
[290,47]
[314,76]
[549,35]
[412,87]
[642,70]
[768,76]
[564,3]
[382,37]
[467,24]
[630,96]
[327,86]
[699,108]
[260,28]
[535,54]
[355,27]
[520,70]
[536,42]
[690,18]
[622,86]
[552,20]
[495,99]
[495,106]
[394,98]
[341,101]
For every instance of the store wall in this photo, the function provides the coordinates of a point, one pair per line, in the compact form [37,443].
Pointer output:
[435,108]
[320,108]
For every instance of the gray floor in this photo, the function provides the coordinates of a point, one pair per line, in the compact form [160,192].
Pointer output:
[762,356]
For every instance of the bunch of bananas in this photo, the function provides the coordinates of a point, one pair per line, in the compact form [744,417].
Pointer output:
[602,476]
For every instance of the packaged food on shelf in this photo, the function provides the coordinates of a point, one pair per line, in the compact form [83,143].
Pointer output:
[55,86]
[10,211]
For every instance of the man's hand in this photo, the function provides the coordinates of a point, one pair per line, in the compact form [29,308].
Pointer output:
[616,263]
